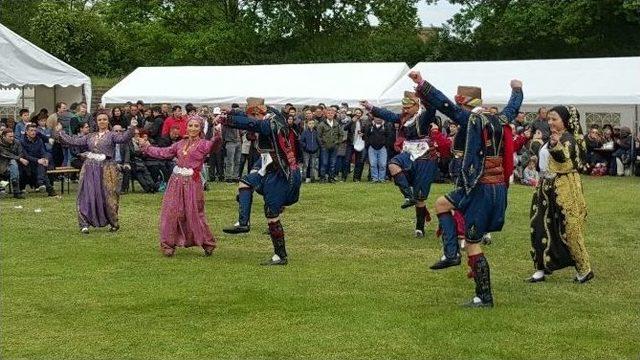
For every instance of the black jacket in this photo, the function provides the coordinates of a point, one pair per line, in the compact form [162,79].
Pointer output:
[376,137]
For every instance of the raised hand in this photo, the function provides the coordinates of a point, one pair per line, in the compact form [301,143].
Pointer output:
[416,77]
[516,84]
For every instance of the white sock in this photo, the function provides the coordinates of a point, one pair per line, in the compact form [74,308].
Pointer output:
[539,274]
[275,257]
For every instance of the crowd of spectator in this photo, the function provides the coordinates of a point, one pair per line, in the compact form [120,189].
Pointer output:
[335,141]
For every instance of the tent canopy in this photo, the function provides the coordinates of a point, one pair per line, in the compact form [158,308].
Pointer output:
[563,81]
[278,84]
[24,64]
[9,97]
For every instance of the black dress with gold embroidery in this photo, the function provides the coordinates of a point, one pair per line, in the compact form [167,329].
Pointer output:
[558,213]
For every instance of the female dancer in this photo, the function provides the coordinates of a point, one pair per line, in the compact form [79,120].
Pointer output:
[182,219]
[558,209]
[98,195]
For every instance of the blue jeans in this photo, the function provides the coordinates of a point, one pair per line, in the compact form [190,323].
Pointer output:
[328,163]
[378,163]
[14,171]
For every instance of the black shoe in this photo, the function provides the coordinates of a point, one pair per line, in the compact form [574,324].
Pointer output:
[443,264]
[536,280]
[18,195]
[588,277]
[270,262]
[476,303]
[236,229]
[408,203]
[208,252]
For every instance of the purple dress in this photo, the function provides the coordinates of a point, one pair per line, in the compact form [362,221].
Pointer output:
[182,218]
[98,195]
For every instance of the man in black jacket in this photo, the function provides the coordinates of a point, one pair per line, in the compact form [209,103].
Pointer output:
[33,149]
[377,137]
[10,161]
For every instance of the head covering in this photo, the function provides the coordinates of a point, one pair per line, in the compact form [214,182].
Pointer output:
[470,96]
[410,99]
[217,111]
[197,118]
[571,119]
[256,106]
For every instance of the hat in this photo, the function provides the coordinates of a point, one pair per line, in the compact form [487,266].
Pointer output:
[469,95]
[217,111]
[409,99]
[256,106]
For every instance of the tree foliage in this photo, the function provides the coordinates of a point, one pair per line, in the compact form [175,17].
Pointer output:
[113,37]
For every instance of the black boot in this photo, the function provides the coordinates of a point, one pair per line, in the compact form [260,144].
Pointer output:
[421,217]
[400,179]
[245,199]
[481,275]
[17,193]
[277,238]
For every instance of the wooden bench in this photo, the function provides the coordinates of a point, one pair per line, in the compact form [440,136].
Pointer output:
[63,170]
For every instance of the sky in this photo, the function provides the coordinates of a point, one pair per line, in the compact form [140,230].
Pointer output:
[438,14]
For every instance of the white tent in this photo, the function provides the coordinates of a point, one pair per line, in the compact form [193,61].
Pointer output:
[9,102]
[278,84]
[598,85]
[25,65]
[9,97]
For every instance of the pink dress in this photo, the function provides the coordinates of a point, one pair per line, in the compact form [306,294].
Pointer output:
[182,219]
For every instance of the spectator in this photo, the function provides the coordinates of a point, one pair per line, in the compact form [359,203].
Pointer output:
[77,157]
[232,145]
[377,138]
[310,144]
[21,126]
[83,116]
[140,105]
[330,135]
[69,123]
[155,125]
[355,144]
[493,110]
[247,155]
[134,113]
[10,161]
[216,158]
[621,156]
[540,123]
[520,122]
[117,118]
[122,158]
[44,130]
[176,119]
[42,113]
[593,141]
[166,110]
[530,174]
[10,123]
[139,168]
[35,172]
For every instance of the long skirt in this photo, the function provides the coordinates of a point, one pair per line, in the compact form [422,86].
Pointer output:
[558,213]
[98,195]
[182,219]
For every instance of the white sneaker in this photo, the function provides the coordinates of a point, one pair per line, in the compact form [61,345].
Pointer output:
[4,184]
[419,233]
[41,188]
[84,230]
[307,180]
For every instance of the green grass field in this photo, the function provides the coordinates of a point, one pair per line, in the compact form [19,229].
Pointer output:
[357,285]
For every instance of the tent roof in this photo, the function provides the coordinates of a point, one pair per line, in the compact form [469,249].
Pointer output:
[9,97]
[278,84]
[26,64]
[563,81]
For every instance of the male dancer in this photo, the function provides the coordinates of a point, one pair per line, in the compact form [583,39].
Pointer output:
[275,176]
[486,167]
[416,167]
